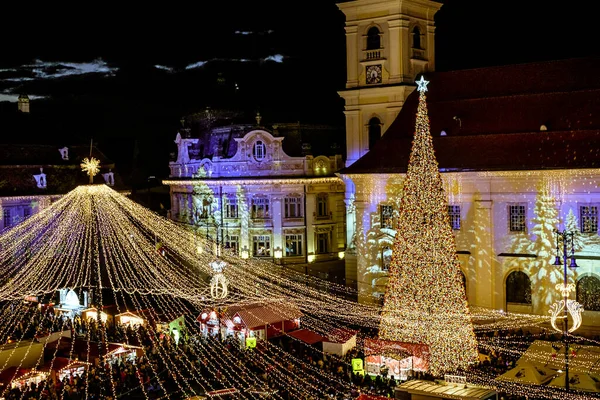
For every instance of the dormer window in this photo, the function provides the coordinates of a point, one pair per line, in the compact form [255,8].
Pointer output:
[40,179]
[64,153]
[373,39]
[259,150]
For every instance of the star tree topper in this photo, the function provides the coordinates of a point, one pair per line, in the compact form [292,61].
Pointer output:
[422,84]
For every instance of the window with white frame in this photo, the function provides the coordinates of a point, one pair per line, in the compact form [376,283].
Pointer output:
[588,219]
[292,207]
[323,242]
[261,246]
[260,207]
[259,150]
[322,209]
[293,245]
[232,242]
[386,216]
[516,217]
[454,213]
[231,207]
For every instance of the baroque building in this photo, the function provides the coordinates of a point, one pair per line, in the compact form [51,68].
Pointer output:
[237,184]
[519,151]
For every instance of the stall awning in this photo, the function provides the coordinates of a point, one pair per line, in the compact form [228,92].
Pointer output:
[306,336]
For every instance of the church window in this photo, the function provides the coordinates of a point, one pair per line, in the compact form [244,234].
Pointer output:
[588,215]
[454,212]
[588,293]
[373,39]
[518,288]
[416,32]
[259,151]
[374,131]
[386,216]
[516,217]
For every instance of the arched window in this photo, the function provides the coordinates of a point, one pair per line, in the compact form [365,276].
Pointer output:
[588,293]
[373,39]
[416,38]
[518,288]
[374,131]
[259,150]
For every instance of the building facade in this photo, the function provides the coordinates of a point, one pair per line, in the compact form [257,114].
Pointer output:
[34,176]
[518,147]
[252,197]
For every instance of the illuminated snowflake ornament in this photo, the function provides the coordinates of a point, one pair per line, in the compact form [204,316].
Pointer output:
[91,166]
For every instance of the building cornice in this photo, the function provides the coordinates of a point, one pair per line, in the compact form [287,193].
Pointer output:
[258,181]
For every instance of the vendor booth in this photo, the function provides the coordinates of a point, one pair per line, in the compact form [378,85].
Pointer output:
[261,320]
[130,319]
[92,313]
[67,368]
[30,377]
[339,341]
[123,352]
[395,359]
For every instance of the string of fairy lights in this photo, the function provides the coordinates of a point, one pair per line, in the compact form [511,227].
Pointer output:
[96,240]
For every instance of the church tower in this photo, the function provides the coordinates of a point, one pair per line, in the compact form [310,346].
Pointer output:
[23,103]
[388,43]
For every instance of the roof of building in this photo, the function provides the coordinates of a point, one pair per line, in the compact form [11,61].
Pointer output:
[258,315]
[432,389]
[20,162]
[518,117]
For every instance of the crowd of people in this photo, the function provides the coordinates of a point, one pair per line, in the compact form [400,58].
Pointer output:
[285,367]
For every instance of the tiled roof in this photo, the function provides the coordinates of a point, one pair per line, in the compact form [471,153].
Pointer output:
[493,120]
[258,315]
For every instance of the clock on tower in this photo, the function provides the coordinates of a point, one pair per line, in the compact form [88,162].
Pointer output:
[373,74]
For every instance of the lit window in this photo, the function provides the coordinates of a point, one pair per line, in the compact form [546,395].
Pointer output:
[322,209]
[588,217]
[260,207]
[386,216]
[231,207]
[454,212]
[232,242]
[293,245]
[516,213]
[261,245]
[293,207]
[259,150]
[323,242]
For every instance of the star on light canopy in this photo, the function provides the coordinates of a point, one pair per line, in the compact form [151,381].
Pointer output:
[91,166]
[422,84]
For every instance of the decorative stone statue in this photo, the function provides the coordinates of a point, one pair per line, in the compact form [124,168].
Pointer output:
[183,156]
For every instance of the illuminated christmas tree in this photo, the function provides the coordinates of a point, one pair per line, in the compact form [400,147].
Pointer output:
[425,301]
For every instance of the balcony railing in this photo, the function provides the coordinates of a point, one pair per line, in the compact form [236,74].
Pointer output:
[373,54]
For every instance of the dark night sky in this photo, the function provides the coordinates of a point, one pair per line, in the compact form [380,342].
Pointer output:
[141,86]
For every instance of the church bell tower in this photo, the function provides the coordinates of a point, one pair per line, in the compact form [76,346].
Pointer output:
[388,43]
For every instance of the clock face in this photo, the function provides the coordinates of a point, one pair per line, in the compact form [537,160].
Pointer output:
[373,74]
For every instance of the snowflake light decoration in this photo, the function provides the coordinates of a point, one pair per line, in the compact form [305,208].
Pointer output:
[91,166]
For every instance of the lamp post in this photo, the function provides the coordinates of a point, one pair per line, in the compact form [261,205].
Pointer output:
[221,238]
[566,306]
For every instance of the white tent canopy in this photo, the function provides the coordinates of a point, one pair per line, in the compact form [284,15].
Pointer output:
[578,381]
[527,373]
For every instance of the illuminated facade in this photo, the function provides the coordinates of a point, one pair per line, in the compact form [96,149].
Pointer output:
[519,156]
[252,197]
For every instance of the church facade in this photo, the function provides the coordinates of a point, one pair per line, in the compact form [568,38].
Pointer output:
[519,151]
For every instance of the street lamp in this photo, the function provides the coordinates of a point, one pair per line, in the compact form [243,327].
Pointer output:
[565,305]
